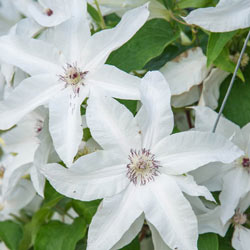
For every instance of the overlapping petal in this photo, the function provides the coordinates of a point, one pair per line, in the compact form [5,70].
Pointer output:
[186,151]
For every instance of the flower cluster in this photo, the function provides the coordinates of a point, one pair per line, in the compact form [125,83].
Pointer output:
[80,125]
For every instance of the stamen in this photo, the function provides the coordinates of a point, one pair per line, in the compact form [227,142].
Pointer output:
[38,126]
[142,167]
[49,12]
[74,77]
[239,218]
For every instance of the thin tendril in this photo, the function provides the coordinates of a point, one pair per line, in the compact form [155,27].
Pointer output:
[231,83]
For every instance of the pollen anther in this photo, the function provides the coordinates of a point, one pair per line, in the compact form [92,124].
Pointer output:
[142,167]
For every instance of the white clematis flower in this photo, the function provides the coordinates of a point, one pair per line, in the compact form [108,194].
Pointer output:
[141,172]
[233,178]
[228,15]
[65,70]
[210,222]
[184,85]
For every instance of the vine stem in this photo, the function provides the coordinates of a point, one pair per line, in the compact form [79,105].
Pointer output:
[231,83]
[103,25]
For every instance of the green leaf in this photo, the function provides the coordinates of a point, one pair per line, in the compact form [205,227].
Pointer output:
[225,242]
[11,234]
[216,43]
[237,108]
[40,217]
[223,62]
[183,4]
[59,236]
[147,43]
[208,241]
[129,104]
[87,209]
[93,13]
[134,245]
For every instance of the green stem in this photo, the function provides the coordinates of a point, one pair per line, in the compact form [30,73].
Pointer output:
[103,25]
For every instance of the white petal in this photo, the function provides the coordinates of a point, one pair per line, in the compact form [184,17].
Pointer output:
[235,186]
[12,175]
[61,12]
[210,222]
[31,93]
[228,15]
[65,123]
[171,214]
[41,158]
[112,125]
[211,175]
[31,55]
[246,139]
[114,82]
[27,27]
[20,196]
[159,244]
[104,42]
[188,185]
[94,176]
[205,119]
[185,71]
[113,218]
[134,229]
[241,238]
[211,88]
[187,98]
[77,30]
[155,117]
[186,151]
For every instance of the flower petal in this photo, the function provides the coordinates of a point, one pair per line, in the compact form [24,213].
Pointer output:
[155,117]
[31,93]
[65,123]
[77,30]
[235,186]
[94,176]
[114,82]
[159,244]
[31,55]
[241,238]
[205,119]
[134,229]
[178,71]
[186,151]
[112,220]
[104,42]
[112,125]
[171,214]
[228,15]
[211,88]
[188,185]
[210,222]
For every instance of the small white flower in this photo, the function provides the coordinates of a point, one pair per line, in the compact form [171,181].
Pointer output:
[211,222]
[234,178]
[228,15]
[141,173]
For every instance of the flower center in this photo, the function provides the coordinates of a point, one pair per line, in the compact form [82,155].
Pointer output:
[38,126]
[142,167]
[239,219]
[49,12]
[73,76]
[245,162]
